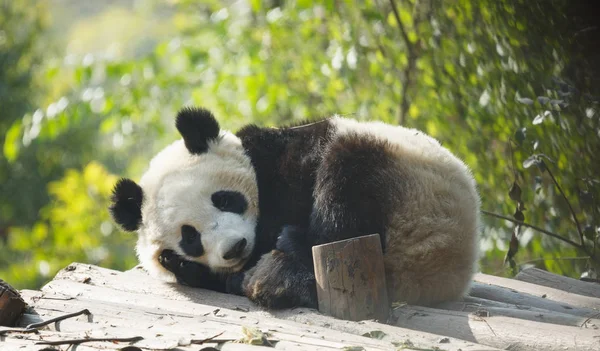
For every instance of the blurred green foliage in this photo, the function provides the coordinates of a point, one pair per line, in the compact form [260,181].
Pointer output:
[495,81]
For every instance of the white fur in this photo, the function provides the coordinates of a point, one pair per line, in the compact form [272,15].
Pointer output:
[431,246]
[177,191]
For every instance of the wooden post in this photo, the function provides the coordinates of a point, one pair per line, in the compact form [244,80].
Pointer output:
[351,279]
[11,305]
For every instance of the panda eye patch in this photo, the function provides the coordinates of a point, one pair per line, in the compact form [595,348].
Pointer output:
[191,242]
[189,234]
[229,201]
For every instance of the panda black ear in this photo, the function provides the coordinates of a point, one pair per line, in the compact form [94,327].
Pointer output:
[126,207]
[197,126]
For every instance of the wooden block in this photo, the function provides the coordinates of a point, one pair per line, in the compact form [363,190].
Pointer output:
[351,279]
[11,305]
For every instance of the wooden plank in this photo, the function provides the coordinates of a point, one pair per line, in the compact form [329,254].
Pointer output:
[170,323]
[541,291]
[407,338]
[178,335]
[511,296]
[351,279]
[495,308]
[138,281]
[164,330]
[541,277]
[130,285]
[28,342]
[310,335]
[498,331]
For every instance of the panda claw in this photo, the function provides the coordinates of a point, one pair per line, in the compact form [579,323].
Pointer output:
[168,259]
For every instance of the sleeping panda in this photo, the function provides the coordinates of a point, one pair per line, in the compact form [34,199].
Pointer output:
[239,213]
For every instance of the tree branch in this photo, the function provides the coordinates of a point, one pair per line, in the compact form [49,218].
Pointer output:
[554,259]
[554,235]
[81,341]
[410,67]
[401,27]
[568,204]
[58,319]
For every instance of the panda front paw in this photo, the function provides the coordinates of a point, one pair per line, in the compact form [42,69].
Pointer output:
[187,272]
[197,275]
[171,261]
[184,270]
[279,281]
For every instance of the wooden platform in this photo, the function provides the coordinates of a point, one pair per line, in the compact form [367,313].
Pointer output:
[536,311]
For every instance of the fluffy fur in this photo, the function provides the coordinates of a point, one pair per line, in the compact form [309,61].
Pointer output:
[295,187]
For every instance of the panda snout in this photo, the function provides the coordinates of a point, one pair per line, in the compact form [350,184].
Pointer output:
[236,250]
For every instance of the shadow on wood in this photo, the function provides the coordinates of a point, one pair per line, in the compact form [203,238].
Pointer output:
[351,279]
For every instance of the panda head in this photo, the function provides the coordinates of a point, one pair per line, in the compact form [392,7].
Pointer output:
[199,198]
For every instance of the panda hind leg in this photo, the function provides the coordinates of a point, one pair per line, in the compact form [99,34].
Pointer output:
[284,277]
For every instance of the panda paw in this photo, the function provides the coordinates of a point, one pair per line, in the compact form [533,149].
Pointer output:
[280,281]
[187,273]
[171,261]
[197,275]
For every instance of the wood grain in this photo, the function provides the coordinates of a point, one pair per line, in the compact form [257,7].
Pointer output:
[544,292]
[351,279]
[485,327]
[170,316]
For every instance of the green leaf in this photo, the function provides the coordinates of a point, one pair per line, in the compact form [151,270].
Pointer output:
[520,135]
[540,118]
[519,216]
[530,161]
[589,232]
[515,192]
[543,100]
[11,143]
[513,248]
[526,101]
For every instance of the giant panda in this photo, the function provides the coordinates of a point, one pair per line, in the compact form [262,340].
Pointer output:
[239,213]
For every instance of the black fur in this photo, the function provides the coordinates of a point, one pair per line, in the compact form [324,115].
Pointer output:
[126,204]
[197,275]
[197,126]
[355,181]
[191,242]
[229,201]
[293,242]
[279,280]
[285,161]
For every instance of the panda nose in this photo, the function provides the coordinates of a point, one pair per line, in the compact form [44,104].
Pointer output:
[236,250]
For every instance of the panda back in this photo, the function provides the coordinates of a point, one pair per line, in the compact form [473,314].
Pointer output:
[433,219]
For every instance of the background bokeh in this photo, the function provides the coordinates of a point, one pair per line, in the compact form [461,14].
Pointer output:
[89,90]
